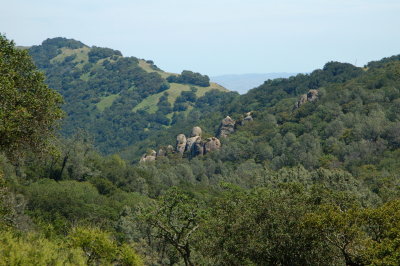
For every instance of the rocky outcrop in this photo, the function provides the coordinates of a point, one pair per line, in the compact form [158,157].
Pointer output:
[153,155]
[181,143]
[195,145]
[211,144]
[311,96]
[161,152]
[197,148]
[170,149]
[248,117]
[226,127]
[190,142]
[149,157]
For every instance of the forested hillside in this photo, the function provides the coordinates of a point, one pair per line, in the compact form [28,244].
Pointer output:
[118,100]
[311,179]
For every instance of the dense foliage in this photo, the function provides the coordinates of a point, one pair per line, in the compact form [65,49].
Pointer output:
[29,111]
[28,108]
[101,90]
[315,184]
[189,77]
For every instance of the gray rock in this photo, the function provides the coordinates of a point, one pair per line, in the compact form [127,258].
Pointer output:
[148,157]
[170,149]
[196,132]
[227,127]
[311,96]
[181,143]
[212,144]
[190,142]
[161,152]
[197,148]
[247,118]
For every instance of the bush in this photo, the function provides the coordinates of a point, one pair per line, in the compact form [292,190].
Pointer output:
[189,77]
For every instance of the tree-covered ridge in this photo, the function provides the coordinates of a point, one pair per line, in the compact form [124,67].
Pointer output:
[115,98]
[353,122]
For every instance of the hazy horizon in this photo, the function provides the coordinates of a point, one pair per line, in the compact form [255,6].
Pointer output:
[217,37]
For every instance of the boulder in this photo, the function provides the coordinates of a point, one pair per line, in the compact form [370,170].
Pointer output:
[247,118]
[197,148]
[148,157]
[302,100]
[170,149]
[311,96]
[181,143]
[212,144]
[226,127]
[196,132]
[190,142]
[161,152]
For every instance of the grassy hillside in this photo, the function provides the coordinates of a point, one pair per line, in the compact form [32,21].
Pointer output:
[118,100]
[149,104]
[106,102]
[148,67]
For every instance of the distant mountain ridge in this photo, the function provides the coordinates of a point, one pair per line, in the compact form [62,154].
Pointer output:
[244,82]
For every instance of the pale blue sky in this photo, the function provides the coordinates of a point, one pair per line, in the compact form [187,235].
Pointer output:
[217,36]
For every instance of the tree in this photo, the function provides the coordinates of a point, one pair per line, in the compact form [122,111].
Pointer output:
[6,211]
[189,77]
[29,110]
[33,249]
[175,218]
[101,249]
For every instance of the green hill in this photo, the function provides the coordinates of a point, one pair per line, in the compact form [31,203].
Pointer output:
[118,100]
[352,123]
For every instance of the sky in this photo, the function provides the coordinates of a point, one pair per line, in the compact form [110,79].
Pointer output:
[216,37]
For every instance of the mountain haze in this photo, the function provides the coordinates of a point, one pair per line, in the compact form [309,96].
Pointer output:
[244,82]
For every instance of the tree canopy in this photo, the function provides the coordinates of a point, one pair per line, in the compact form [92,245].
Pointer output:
[29,109]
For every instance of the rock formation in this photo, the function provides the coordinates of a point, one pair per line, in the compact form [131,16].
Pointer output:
[311,96]
[170,149]
[190,142]
[212,144]
[181,143]
[161,152]
[227,127]
[247,118]
[197,148]
[149,157]
[195,145]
